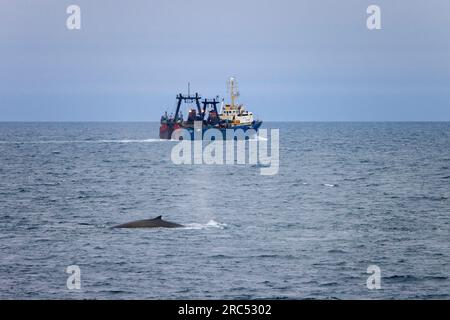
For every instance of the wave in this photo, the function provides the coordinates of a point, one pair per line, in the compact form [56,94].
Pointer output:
[104,141]
[329,185]
[257,138]
[210,225]
[413,278]
[83,141]
[131,141]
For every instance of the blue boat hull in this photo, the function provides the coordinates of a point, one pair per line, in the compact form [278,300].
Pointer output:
[166,133]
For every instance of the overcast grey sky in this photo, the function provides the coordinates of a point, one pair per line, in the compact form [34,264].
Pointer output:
[294,60]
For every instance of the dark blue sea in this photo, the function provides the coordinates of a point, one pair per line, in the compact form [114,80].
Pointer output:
[347,195]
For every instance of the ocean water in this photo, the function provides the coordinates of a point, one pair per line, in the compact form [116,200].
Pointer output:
[347,195]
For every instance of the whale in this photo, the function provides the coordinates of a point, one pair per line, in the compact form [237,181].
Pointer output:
[157,222]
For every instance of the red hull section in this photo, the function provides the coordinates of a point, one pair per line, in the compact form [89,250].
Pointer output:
[166,130]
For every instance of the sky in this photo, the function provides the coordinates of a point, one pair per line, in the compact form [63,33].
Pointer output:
[294,60]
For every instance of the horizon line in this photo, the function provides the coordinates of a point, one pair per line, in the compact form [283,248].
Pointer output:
[273,121]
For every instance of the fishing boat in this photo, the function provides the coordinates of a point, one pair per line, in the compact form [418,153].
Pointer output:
[231,116]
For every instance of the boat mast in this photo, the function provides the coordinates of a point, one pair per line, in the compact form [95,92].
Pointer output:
[233,89]
[189,99]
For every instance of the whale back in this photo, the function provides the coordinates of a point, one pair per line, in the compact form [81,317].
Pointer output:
[157,222]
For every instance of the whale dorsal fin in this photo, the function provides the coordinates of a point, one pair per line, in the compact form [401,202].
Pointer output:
[158,218]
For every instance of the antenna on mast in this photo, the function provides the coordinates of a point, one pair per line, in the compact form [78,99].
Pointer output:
[233,90]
